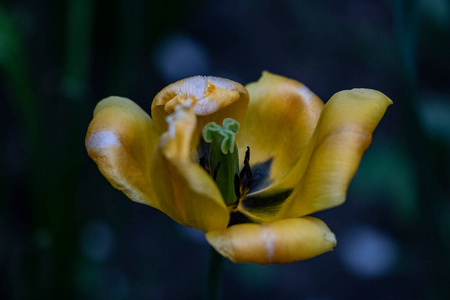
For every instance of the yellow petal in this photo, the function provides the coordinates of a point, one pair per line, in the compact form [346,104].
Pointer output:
[212,99]
[186,192]
[279,242]
[121,139]
[333,155]
[280,120]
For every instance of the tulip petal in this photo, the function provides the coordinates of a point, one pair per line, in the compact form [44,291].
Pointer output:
[186,192]
[212,99]
[280,242]
[280,120]
[333,155]
[121,139]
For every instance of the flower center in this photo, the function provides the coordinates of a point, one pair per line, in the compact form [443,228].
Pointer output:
[223,161]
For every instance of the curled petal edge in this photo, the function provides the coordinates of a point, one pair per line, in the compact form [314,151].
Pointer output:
[120,139]
[342,135]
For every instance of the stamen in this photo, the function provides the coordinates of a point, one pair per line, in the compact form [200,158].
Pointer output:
[246,165]
[249,175]
[246,189]
[237,186]
[246,173]
[241,190]
[247,156]
[243,181]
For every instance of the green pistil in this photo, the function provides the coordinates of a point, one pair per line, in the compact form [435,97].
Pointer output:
[223,156]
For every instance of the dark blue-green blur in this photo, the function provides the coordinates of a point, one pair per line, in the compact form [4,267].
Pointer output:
[65,233]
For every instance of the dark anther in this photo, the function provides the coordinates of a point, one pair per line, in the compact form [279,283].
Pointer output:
[203,162]
[246,188]
[237,186]
[246,173]
[242,176]
[247,156]
[215,171]
[245,178]
[249,174]
[246,165]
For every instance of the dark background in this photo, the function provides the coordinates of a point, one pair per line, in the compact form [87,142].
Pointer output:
[65,233]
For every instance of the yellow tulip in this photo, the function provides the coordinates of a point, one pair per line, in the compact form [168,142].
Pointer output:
[303,155]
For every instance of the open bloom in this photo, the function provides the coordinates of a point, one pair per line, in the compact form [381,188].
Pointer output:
[303,155]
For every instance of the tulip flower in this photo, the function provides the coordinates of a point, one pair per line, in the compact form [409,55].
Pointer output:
[274,155]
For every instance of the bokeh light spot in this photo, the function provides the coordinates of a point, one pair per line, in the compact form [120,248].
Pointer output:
[97,241]
[367,252]
[180,56]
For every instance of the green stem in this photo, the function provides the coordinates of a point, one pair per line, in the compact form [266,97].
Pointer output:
[213,287]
